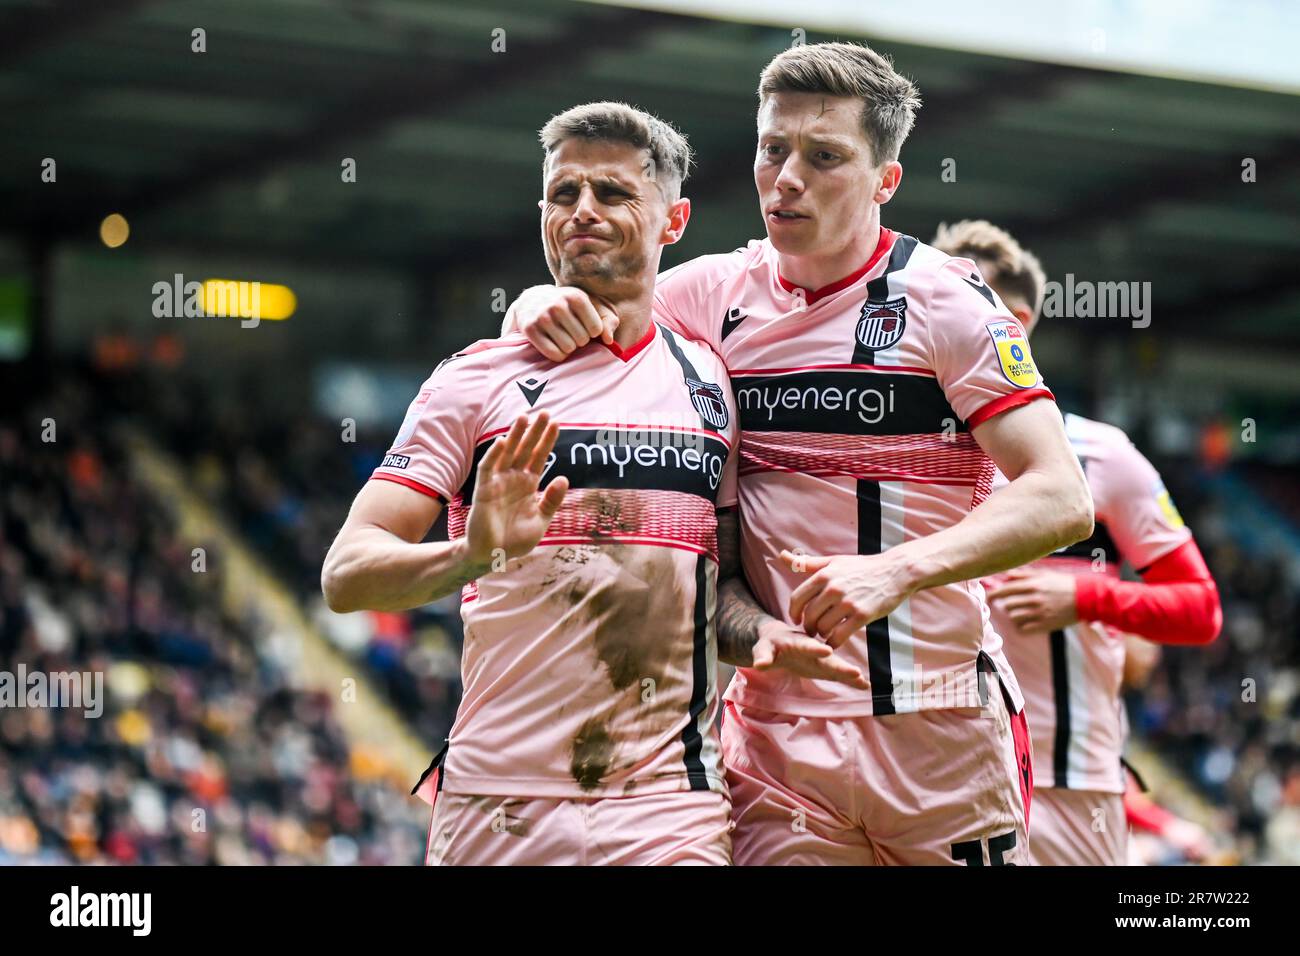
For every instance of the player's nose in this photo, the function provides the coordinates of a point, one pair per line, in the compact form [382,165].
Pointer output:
[586,209]
[789,179]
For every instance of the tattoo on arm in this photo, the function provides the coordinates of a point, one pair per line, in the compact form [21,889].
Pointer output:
[739,615]
[739,618]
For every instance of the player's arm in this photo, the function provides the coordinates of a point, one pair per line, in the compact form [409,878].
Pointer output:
[1046,506]
[750,637]
[559,320]
[378,562]
[1176,602]
[1143,813]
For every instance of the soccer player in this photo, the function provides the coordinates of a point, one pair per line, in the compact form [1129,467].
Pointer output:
[875,377]
[1065,618]
[586,731]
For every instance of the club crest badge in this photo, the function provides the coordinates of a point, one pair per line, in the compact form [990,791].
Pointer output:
[882,324]
[709,402]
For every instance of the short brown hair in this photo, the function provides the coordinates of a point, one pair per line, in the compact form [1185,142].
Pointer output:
[1006,265]
[621,123]
[890,100]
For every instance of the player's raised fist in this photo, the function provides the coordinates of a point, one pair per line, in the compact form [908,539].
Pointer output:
[509,515]
[559,320]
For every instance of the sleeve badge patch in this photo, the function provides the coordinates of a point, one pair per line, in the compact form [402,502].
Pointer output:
[1167,507]
[1012,346]
[413,412]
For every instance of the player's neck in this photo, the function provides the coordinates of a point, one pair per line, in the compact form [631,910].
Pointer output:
[815,272]
[633,320]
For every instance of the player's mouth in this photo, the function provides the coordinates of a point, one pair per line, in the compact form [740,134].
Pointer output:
[585,237]
[785,216]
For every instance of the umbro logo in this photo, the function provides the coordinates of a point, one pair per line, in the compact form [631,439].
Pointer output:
[732,319]
[532,390]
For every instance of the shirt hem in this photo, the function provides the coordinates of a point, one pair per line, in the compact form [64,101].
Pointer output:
[803,707]
[468,785]
[1087,785]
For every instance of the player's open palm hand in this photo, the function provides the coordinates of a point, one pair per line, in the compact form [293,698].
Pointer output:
[780,646]
[509,515]
[842,594]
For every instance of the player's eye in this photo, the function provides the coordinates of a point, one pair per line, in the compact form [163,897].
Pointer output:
[825,156]
[563,194]
[772,150]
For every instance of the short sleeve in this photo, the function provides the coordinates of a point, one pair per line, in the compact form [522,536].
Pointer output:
[684,293]
[1132,501]
[434,448]
[979,351]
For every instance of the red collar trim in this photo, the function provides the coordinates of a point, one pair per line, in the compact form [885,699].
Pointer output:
[629,354]
[887,237]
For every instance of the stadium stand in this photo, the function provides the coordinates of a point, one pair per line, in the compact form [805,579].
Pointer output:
[206,751]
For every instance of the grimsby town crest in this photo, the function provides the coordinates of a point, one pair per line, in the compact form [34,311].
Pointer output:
[708,401]
[882,323]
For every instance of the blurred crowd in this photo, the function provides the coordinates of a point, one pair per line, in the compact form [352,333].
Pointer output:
[206,749]
[285,482]
[1228,714]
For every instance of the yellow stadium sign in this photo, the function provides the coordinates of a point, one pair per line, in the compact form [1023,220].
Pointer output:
[248,300]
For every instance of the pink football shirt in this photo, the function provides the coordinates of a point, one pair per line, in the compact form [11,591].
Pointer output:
[588,665]
[1071,678]
[856,403]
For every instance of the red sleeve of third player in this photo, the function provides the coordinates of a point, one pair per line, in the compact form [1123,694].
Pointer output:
[978,350]
[1177,601]
[434,447]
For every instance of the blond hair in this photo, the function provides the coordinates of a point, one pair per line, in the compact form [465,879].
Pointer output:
[1006,265]
[889,100]
[670,154]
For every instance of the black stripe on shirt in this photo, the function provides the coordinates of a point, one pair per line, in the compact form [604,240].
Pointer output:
[621,456]
[844,402]
[688,370]
[880,669]
[1061,701]
[692,740]
[878,291]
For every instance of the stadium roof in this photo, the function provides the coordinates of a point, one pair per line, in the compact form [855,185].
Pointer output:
[1106,175]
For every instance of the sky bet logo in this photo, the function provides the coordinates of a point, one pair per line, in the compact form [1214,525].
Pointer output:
[1012,346]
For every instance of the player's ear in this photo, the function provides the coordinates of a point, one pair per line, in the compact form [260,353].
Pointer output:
[891,174]
[541,204]
[679,214]
[1026,317]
